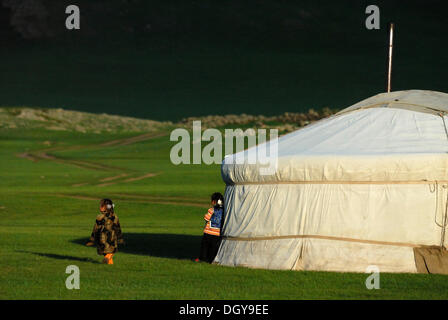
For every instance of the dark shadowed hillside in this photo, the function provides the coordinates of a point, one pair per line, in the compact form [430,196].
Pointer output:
[166,60]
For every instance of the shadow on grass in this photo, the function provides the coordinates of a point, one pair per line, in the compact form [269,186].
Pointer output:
[61,257]
[178,246]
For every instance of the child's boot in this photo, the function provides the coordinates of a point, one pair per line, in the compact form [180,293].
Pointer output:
[108,258]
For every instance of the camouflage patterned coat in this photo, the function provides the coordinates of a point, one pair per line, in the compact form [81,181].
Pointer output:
[106,233]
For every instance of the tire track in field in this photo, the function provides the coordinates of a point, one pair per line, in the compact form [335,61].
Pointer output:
[191,201]
[147,175]
[131,140]
[130,195]
[36,156]
[123,177]
[138,199]
[114,177]
[43,154]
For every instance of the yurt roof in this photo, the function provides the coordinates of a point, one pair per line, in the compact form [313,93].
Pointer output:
[391,137]
[416,100]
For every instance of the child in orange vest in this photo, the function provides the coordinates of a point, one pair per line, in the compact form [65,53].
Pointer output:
[211,238]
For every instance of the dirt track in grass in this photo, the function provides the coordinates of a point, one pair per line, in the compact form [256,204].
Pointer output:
[124,177]
[138,198]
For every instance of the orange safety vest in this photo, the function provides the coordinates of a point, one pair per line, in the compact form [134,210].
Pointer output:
[208,228]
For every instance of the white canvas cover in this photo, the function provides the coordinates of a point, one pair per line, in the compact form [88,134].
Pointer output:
[362,187]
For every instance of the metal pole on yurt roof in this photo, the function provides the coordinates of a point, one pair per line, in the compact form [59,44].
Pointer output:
[389,69]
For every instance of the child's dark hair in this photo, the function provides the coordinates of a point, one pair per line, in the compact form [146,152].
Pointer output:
[108,203]
[216,197]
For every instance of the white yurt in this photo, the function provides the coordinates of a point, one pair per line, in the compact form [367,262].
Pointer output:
[367,186]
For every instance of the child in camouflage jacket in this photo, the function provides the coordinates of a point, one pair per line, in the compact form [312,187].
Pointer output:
[106,234]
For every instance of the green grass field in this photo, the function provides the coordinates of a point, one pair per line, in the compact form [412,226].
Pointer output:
[50,188]
[167,60]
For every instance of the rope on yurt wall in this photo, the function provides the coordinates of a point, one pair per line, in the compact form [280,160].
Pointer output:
[443,223]
[387,243]
[436,191]
[444,217]
[423,181]
[442,237]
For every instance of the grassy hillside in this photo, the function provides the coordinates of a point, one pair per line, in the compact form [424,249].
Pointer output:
[50,187]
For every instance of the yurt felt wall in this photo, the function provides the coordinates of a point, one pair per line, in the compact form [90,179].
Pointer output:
[364,187]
